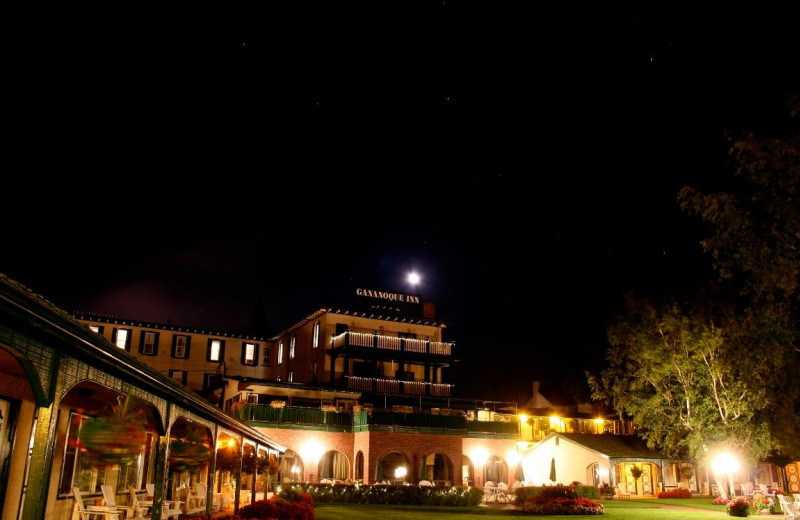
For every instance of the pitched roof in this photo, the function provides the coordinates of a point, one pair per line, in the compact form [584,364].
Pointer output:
[614,446]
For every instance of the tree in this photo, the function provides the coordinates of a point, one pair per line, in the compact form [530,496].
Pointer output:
[720,369]
[676,373]
[754,241]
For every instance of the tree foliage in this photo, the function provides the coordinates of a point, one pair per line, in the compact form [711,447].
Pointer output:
[722,368]
[673,370]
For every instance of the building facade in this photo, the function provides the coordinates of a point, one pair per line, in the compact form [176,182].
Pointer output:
[78,412]
[343,395]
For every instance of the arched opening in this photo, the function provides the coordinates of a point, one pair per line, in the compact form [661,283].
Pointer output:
[21,393]
[229,459]
[108,438]
[392,468]
[495,470]
[189,454]
[267,468]
[249,472]
[436,468]
[291,467]
[360,467]
[334,466]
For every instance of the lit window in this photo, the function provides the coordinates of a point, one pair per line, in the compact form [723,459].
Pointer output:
[266,359]
[291,376]
[122,338]
[314,369]
[96,328]
[292,344]
[249,353]
[315,336]
[216,350]
[280,353]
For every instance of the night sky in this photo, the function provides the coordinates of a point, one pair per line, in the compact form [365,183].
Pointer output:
[189,166]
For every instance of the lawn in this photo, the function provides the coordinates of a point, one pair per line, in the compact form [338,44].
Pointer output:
[655,509]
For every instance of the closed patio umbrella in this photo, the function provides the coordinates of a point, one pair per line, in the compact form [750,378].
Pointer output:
[379,470]
[423,468]
[553,469]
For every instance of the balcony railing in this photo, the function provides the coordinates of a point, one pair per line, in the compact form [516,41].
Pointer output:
[394,386]
[384,342]
[313,418]
[466,423]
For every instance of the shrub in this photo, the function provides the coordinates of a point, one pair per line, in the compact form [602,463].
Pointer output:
[676,493]
[383,494]
[739,506]
[562,506]
[291,504]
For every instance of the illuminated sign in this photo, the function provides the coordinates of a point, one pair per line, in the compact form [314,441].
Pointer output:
[385,295]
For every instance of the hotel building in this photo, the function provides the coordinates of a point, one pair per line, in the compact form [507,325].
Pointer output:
[353,394]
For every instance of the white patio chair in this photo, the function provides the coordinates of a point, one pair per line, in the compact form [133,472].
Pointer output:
[502,492]
[139,510]
[110,500]
[196,501]
[82,512]
[489,491]
[622,491]
[788,507]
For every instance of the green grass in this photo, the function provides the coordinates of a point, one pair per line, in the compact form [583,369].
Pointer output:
[640,509]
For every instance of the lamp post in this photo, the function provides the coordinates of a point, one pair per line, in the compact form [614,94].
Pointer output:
[311,452]
[725,464]
[400,473]
[478,456]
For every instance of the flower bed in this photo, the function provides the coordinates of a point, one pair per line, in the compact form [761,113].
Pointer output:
[739,506]
[562,506]
[675,493]
[291,504]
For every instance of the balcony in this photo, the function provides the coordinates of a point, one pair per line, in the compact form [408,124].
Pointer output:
[411,346]
[316,419]
[394,386]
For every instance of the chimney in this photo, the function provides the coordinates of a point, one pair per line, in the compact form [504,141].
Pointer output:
[535,397]
[429,310]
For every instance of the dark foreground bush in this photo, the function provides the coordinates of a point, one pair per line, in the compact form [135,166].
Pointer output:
[383,494]
[562,506]
[291,504]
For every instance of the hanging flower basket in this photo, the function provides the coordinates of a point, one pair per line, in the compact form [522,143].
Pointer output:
[188,453]
[117,438]
[228,459]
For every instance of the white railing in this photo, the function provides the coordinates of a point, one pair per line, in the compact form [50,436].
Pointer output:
[387,385]
[360,339]
[384,342]
[389,342]
[393,386]
[440,348]
[415,345]
[440,390]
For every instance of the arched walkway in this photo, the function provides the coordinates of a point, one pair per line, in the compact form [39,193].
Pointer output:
[291,467]
[394,467]
[334,465]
